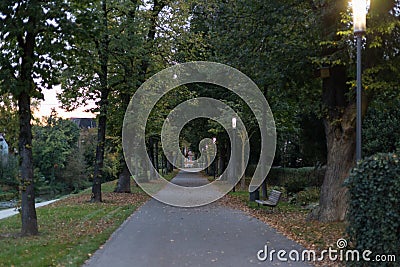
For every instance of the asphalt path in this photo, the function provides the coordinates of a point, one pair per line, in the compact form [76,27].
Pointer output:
[213,235]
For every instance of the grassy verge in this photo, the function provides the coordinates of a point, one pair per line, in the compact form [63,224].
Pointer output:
[210,178]
[70,229]
[291,220]
[171,175]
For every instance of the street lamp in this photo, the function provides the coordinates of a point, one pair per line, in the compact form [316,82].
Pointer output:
[216,158]
[359,23]
[234,123]
[207,160]
[234,153]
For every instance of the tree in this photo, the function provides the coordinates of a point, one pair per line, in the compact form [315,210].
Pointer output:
[53,144]
[167,40]
[382,51]
[89,76]
[143,59]
[33,39]
[265,48]
[281,51]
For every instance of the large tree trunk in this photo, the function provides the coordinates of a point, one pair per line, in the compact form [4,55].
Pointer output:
[341,137]
[156,163]
[157,7]
[103,52]
[124,179]
[152,158]
[339,123]
[98,166]
[28,213]
[341,158]
[242,165]
[169,165]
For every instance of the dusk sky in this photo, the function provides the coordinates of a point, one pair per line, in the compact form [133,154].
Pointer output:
[51,101]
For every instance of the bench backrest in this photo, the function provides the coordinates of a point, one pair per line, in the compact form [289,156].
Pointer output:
[274,196]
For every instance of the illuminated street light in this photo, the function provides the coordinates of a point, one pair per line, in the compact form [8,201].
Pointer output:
[234,159]
[359,16]
[216,157]
[359,23]
[234,123]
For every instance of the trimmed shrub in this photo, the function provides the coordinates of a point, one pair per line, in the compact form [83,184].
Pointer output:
[299,178]
[374,208]
[296,180]
[294,185]
[293,179]
[307,196]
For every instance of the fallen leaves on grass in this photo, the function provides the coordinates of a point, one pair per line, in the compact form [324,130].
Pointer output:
[115,199]
[87,226]
[69,229]
[310,234]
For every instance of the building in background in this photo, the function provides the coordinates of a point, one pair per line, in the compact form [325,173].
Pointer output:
[84,123]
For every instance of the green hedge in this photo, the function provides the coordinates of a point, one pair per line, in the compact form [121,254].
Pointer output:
[293,179]
[307,196]
[6,196]
[374,208]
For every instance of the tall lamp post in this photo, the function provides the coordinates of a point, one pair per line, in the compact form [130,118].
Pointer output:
[359,23]
[234,153]
[216,158]
[207,161]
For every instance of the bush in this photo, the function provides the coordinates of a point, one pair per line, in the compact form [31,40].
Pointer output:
[52,145]
[374,208]
[7,196]
[296,180]
[307,196]
[75,176]
[294,185]
[9,171]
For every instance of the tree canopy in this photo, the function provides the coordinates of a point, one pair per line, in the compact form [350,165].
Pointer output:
[301,54]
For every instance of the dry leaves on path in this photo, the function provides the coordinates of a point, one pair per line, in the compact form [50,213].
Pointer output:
[293,224]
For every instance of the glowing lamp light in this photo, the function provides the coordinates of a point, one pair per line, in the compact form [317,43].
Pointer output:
[359,16]
[234,123]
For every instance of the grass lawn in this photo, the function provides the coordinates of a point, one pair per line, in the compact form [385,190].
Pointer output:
[70,229]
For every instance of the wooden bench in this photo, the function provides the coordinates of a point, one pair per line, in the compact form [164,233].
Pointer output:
[272,201]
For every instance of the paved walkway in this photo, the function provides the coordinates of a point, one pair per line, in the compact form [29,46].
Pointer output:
[212,235]
[11,212]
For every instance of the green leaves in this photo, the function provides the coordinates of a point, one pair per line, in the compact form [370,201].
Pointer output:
[380,128]
[34,35]
[53,144]
[374,211]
